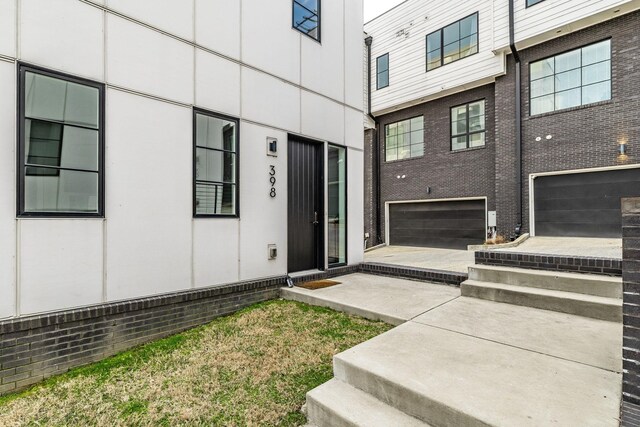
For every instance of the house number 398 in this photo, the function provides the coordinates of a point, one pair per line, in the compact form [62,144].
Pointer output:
[272,180]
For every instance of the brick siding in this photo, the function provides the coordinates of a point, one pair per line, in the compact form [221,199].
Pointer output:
[449,174]
[582,137]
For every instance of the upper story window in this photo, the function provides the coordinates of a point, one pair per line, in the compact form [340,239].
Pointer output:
[382,71]
[61,145]
[215,165]
[578,77]
[532,2]
[404,139]
[468,126]
[306,17]
[453,42]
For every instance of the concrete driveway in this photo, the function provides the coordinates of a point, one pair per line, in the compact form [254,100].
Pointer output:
[437,259]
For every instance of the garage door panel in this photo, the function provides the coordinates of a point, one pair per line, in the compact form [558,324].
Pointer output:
[585,229]
[611,190]
[447,224]
[581,216]
[583,204]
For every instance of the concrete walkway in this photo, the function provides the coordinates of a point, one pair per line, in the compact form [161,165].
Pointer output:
[464,361]
[577,246]
[433,258]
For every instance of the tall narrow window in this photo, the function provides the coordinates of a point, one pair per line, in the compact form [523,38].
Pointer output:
[337,221]
[60,145]
[215,165]
[404,139]
[468,126]
[382,71]
[453,42]
[306,17]
[578,77]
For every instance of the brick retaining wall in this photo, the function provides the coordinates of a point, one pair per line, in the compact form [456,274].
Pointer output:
[631,312]
[36,347]
[569,264]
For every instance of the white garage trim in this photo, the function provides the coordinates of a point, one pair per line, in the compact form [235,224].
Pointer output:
[533,176]
[455,199]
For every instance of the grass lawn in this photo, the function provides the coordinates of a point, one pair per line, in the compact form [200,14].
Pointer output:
[250,368]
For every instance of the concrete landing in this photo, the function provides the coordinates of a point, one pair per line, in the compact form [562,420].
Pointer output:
[468,362]
[579,339]
[576,246]
[433,258]
[449,379]
[374,297]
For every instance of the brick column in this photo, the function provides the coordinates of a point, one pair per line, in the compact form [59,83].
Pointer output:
[631,312]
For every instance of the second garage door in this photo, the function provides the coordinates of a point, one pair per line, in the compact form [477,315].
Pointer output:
[447,224]
[583,204]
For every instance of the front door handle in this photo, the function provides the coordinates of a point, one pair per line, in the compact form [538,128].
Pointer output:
[315,218]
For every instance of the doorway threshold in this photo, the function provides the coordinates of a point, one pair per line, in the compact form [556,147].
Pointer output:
[305,273]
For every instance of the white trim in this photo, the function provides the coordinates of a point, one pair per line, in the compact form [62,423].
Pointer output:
[533,176]
[453,199]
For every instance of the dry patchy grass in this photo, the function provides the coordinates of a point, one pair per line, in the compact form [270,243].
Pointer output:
[251,368]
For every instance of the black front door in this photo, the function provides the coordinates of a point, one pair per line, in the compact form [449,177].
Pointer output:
[305,195]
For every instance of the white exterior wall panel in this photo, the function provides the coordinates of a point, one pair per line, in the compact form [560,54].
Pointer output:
[353,58]
[224,36]
[61,264]
[321,118]
[148,196]
[278,103]
[8,27]
[145,60]
[215,263]
[323,64]
[162,59]
[172,16]
[217,83]
[402,33]
[7,190]
[268,41]
[64,35]
[263,219]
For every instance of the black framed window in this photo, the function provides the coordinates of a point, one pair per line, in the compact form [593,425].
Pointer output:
[306,17]
[404,139]
[453,42]
[382,71]
[215,165]
[532,2]
[337,205]
[468,126]
[61,145]
[578,77]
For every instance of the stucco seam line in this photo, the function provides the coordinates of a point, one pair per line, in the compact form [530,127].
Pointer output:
[213,52]
[5,58]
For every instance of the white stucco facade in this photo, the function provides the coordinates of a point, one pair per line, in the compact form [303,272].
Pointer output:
[158,59]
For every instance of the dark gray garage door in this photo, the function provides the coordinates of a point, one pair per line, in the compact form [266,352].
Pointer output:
[583,204]
[453,225]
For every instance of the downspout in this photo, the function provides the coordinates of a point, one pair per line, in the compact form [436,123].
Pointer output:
[518,118]
[376,142]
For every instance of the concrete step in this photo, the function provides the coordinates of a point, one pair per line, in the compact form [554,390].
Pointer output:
[595,307]
[589,284]
[336,404]
[445,378]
